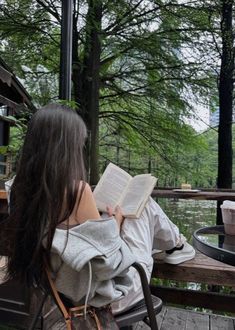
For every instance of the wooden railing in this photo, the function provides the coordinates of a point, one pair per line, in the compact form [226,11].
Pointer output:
[206,272]
[212,194]
[209,194]
[212,274]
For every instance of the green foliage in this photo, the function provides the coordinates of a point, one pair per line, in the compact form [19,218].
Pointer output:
[195,163]
[31,46]
[71,104]
[17,134]
[3,150]
[153,67]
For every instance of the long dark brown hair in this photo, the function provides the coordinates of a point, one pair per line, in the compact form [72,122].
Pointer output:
[46,186]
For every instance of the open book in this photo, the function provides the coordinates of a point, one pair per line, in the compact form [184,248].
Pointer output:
[117,187]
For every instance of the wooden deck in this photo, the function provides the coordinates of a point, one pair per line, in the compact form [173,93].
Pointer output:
[176,319]
[172,318]
[180,319]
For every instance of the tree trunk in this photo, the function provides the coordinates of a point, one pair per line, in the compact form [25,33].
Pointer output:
[87,84]
[77,76]
[225,100]
[77,65]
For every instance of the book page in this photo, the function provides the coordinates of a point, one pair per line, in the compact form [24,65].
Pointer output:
[111,186]
[137,194]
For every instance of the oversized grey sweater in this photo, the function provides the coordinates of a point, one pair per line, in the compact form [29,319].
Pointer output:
[92,262]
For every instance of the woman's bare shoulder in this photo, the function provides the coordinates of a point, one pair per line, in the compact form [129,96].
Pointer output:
[87,207]
[86,188]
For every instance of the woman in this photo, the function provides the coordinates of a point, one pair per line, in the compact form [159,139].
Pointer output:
[55,218]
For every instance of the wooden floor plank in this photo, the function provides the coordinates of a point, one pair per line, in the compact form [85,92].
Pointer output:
[221,323]
[160,316]
[178,319]
[197,321]
[174,319]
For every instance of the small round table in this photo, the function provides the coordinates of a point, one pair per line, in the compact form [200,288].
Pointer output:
[213,242]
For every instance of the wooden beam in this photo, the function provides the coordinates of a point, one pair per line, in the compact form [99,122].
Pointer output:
[8,102]
[211,300]
[200,195]
[201,269]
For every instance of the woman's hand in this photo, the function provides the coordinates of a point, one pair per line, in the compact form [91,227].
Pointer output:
[117,213]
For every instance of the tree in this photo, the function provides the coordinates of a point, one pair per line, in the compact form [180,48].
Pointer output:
[226,81]
[30,46]
[130,71]
[90,84]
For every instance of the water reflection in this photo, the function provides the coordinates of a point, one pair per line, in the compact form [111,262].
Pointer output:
[219,240]
[212,239]
[189,215]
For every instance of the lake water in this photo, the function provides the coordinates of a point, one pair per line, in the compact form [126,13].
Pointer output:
[189,215]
